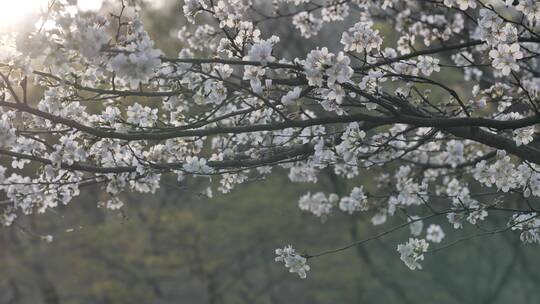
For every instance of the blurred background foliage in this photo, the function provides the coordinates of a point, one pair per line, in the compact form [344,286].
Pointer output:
[179,246]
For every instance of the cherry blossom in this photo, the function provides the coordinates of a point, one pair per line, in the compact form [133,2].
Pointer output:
[318,203]
[356,201]
[293,261]
[434,233]
[361,37]
[307,23]
[412,252]
[428,65]
[505,57]
[409,113]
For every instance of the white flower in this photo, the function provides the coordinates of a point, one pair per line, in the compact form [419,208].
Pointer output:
[454,152]
[89,40]
[361,37]
[489,19]
[340,71]
[254,74]
[2,174]
[379,218]
[462,4]
[7,133]
[523,136]
[456,219]
[532,85]
[477,215]
[530,226]
[116,184]
[505,57]
[113,204]
[408,189]
[318,203]
[111,114]
[332,98]
[530,8]
[7,218]
[196,165]
[316,63]
[506,34]
[192,7]
[356,201]
[534,184]
[261,51]
[320,63]
[428,65]
[371,82]
[499,173]
[296,2]
[141,116]
[137,67]
[416,226]
[335,12]
[303,174]
[435,233]
[307,23]
[47,238]
[412,252]
[293,261]
[229,180]
[291,97]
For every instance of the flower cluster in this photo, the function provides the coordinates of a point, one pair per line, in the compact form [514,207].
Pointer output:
[435,233]
[320,63]
[361,38]
[428,65]
[462,4]
[356,201]
[197,165]
[293,261]
[307,23]
[89,99]
[7,133]
[412,252]
[318,203]
[505,57]
[529,224]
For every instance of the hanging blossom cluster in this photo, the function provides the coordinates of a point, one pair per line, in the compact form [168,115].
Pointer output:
[412,252]
[293,261]
[428,120]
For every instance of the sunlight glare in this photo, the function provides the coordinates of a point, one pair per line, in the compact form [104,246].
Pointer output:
[15,13]
[89,5]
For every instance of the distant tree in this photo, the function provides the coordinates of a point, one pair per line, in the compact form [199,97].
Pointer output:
[116,111]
